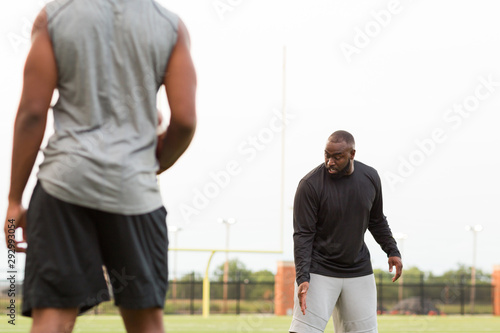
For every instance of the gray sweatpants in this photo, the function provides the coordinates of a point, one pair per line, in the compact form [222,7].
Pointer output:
[351,301]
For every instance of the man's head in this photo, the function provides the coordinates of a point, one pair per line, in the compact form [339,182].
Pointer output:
[339,153]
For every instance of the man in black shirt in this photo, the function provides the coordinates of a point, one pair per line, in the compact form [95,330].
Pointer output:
[334,205]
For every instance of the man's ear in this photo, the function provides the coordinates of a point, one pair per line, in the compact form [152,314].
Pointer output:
[353,152]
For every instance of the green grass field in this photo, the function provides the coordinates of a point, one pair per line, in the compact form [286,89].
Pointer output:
[270,324]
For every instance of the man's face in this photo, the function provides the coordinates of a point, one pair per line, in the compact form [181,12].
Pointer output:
[337,156]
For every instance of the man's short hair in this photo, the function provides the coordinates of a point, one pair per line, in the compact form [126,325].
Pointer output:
[342,136]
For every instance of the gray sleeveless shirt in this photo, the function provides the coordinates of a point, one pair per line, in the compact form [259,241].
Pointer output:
[111,59]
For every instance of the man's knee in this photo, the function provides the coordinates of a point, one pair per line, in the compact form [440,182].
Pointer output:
[143,320]
[50,320]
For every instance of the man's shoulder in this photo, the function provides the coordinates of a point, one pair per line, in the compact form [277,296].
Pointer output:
[315,173]
[168,15]
[366,170]
[364,167]
[55,7]
[312,182]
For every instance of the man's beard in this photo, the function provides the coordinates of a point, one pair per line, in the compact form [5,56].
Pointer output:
[342,172]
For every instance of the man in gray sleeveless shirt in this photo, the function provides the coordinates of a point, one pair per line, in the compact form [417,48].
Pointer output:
[97,201]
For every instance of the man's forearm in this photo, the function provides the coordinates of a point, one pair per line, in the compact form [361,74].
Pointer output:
[29,129]
[302,270]
[175,142]
[382,234]
[302,256]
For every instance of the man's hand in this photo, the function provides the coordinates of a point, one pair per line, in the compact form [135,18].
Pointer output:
[396,261]
[16,218]
[302,293]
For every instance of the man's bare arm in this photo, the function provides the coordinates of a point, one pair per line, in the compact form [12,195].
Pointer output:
[40,80]
[180,84]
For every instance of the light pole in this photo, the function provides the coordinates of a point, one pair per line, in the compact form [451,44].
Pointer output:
[228,222]
[401,239]
[175,230]
[475,229]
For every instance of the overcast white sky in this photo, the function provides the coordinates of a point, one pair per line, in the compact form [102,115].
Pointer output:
[416,82]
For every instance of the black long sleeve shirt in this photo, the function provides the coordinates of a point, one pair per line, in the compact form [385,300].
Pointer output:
[330,218]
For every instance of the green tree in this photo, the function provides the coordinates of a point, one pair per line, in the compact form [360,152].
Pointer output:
[187,286]
[236,270]
[410,275]
[414,275]
[463,271]
[191,277]
[262,276]
[260,285]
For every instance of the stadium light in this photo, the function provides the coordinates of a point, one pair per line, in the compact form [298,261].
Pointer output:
[228,222]
[400,237]
[474,229]
[175,230]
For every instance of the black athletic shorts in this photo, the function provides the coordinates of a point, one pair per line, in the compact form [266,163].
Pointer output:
[68,245]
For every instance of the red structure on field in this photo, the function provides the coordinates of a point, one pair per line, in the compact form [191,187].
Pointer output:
[496,290]
[284,284]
